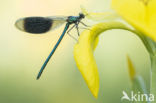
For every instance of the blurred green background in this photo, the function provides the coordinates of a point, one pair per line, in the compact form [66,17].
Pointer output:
[22,55]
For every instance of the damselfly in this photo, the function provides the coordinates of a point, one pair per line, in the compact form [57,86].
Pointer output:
[38,25]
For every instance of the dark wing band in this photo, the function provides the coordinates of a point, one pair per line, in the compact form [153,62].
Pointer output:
[39,25]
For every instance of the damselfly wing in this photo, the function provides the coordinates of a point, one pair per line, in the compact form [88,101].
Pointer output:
[38,25]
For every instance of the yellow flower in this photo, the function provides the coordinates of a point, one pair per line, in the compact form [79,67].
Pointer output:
[141,14]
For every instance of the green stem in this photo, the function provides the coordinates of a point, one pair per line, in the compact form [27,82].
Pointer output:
[152,52]
[151,45]
[153,75]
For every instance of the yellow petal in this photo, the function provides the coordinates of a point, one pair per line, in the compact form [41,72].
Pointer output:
[138,83]
[83,53]
[131,68]
[141,14]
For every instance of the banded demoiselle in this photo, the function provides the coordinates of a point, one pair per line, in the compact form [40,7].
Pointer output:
[38,25]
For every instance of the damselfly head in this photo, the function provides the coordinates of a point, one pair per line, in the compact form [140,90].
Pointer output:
[81,15]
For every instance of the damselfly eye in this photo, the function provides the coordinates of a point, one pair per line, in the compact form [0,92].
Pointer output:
[81,15]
